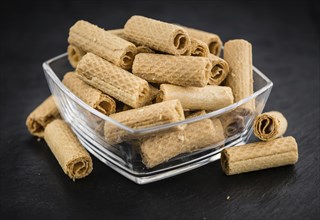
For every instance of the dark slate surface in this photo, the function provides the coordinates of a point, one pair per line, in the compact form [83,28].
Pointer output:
[285,47]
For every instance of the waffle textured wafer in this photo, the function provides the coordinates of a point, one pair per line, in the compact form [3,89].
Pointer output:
[91,38]
[113,80]
[260,155]
[199,48]
[178,70]
[233,123]
[40,117]
[212,40]
[270,125]
[148,116]
[238,54]
[164,146]
[71,155]
[219,71]
[157,35]
[92,96]
[74,55]
[194,98]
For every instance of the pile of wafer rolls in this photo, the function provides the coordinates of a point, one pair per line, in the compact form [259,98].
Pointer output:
[151,73]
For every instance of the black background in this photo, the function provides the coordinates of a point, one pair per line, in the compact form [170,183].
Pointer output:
[285,43]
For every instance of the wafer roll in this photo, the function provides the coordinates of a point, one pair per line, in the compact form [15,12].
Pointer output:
[91,38]
[148,116]
[71,155]
[74,55]
[270,125]
[260,155]
[219,70]
[40,117]
[157,35]
[238,54]
[198,48]
[113,80]
[118,32]
[144,49]
[162,147]
[92,96]
[193,98]
[233,123]
[178,70]
[212,40]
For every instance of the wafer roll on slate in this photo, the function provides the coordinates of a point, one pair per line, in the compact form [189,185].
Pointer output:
[178,70]
[71,155]
[113,80]
[147,116]
[260,155]
[40,117]
[157,35]
[74,55]
[219,71]
[198,48]
[194,98]
[91,38]
[238,54]
[90,95]
[212,40]
[164,146]
[270,125]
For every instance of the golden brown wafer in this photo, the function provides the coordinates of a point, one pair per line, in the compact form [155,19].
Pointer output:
[148,116]
[260,155]
[71,155]
[40,117]
[178,70]
[270,125]
[194,98]
[113,80]
[212,40]
[219,70]
[74,55]
[157,35]
[164,146]
[238,54]
[92,96]
[91,38]
[199,48]
[233,123]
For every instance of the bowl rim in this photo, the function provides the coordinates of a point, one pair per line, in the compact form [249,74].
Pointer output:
[49,72]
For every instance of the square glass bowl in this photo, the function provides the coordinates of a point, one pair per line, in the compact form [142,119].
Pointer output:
[125,157]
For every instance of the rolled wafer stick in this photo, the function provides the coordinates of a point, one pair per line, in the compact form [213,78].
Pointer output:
[162,147]
[260,155]
[74,160]
[118,32]
[178,70]
[219,71]
[144,49]
[113,80]
[92,96]
[270,125]
[157,35]
[233,123]
[198,48]
[193,98]
[40,117]
[148,116]
[238,54]
[74,55]
[212,40]
[91,38]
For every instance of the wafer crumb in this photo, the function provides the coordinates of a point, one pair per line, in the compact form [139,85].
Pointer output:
[38,139]
[228,197]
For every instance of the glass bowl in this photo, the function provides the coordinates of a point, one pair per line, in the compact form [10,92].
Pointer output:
[125,157]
